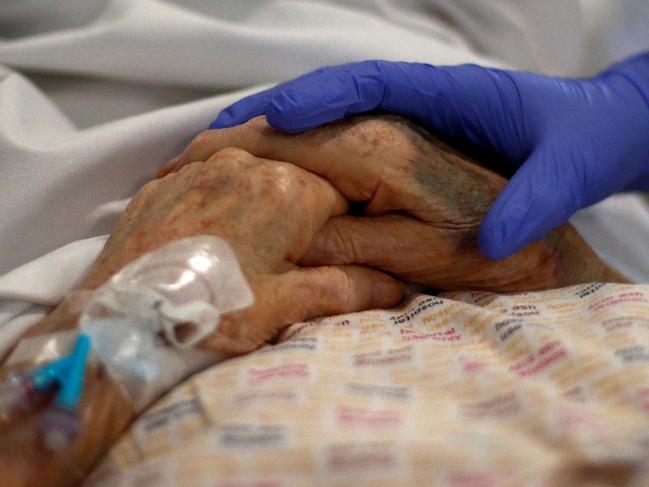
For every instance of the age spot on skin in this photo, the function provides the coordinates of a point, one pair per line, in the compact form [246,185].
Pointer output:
[459,194]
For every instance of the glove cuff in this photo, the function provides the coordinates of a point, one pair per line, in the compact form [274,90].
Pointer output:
[635,70]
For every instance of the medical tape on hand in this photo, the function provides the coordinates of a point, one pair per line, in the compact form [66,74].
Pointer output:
[144,321]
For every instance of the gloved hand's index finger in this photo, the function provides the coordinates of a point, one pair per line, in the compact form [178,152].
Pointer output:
[326,96]
[258,104]
[243,110]
[462,104]
[312,100]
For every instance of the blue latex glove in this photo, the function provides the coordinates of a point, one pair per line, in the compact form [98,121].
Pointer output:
[576,141]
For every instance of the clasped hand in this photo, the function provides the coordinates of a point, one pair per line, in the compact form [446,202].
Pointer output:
[282,204]
[422,206]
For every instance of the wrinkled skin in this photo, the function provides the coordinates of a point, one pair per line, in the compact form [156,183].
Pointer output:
[423,206]
[268,212]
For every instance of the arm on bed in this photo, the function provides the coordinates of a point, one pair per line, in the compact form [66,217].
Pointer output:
[268,212]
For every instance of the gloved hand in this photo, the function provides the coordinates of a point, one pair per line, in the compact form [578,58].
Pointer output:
[576,141]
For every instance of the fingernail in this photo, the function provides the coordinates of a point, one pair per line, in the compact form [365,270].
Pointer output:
[386,293]
[506,233]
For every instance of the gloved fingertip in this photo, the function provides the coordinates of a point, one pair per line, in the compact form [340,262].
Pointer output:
[295,111]
[493,242]
[276,116]
[239,113]
[507,227]
[282,115]
[223,121]
[218,124]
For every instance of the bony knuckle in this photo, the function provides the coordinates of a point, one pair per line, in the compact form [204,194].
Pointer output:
[145,193]
[278,181]
[231,158]
[283,170]
[278,171]
[149,187]
[231,153]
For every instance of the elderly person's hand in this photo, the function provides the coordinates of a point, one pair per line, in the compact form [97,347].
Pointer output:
[268,212]
[423,205]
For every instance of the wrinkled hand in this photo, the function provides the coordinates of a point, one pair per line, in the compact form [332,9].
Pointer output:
[573,142]
[423,205]
[268,212]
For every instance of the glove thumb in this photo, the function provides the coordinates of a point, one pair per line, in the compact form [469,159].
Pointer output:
[542,195]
